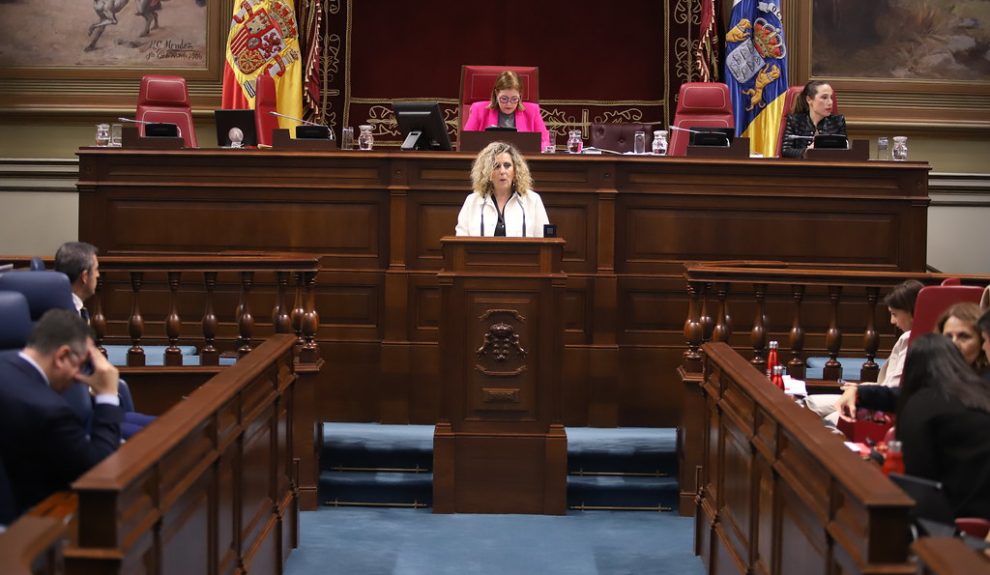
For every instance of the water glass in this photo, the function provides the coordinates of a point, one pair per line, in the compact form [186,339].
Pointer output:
[900,151]
[574,142]
[347,138]
[115,135]
[103,135]
[639,142]
[551,146]
[366,140]
[882,148]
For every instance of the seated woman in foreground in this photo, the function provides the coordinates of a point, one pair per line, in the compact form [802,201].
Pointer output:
[502,203]
[942,419]
[812,115]
[507,110]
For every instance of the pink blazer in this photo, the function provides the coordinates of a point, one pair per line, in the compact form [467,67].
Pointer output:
[528,120]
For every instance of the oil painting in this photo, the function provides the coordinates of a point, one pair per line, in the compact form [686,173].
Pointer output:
[123,34]
[947,40]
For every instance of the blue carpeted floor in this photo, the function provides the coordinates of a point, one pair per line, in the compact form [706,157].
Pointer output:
[375,541]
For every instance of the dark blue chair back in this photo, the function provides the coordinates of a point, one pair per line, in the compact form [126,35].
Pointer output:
[37,264]
[15,320]
[44,290]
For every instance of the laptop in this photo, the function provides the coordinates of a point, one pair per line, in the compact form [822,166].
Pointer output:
[228,119]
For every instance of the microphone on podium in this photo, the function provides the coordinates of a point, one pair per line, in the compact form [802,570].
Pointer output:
[689,130]
[294,119]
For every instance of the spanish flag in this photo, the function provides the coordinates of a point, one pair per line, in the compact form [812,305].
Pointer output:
[756,71]
[264,39]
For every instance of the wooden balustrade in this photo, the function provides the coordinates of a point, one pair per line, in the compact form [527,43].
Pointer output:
[830,312]
[781,494]
[949,556]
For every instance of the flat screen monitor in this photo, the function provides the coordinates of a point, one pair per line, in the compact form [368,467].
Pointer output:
[243,120]
[831,142]
[161,130]
[422,126]
[705,136]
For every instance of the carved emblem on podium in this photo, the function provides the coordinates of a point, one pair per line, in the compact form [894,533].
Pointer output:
[501,344]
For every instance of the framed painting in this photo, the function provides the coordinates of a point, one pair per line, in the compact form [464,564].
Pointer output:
[898,62]
[80,54]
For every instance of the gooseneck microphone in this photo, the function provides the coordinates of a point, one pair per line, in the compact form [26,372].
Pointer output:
[294,119]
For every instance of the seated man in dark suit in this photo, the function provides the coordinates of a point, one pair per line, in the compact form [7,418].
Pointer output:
[43,445]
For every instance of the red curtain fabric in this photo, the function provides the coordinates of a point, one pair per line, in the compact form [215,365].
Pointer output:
[599,62]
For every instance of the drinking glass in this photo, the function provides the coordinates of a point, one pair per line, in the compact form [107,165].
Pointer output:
[347,138]
[103,135]
[115,135]
[551,146]
[900,150]
[639,142]
[882,150]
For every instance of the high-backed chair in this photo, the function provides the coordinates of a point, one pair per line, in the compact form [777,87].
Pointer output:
[477,83]
[165,99]
[790,97]
[618,137]
[15,320]
[265,100]
[699,105]
[933,300]
[44,290]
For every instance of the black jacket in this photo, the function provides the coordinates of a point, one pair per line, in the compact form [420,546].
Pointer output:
[801,125]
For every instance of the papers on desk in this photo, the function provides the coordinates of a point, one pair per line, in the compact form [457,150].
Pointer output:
[795,387]
[861,448]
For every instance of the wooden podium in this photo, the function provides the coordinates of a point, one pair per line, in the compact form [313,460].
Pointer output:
[500,446]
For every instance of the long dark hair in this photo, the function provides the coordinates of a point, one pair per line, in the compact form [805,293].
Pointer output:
[933,361]
[810,90]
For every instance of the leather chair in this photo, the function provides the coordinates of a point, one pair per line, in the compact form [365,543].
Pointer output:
[790,97]
[15,320]
[618,137]
[699,105]
[265,101]
[933,300]
[477,83]
[165,99]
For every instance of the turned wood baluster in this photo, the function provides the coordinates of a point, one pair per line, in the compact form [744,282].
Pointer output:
[310,323]
[758,336]
[707,323]
[97,320]
[796,367]
[723,323]
[280,317]
[245,321]
[871,339]
[298,312]
[833,338]
[209,355]
[173,323]
[135,324]
[693,330]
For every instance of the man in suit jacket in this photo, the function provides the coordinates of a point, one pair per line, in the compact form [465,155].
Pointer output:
[43,444]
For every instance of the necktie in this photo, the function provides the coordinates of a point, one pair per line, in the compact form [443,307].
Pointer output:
[84,313]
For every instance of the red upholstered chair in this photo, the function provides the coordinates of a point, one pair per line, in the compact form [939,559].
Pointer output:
[165,99]
[265,101]
[933,300]
[699,105]
[477,83]
[790,97]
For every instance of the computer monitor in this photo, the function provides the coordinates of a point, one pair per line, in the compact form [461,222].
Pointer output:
[241,119]
[422,126]
[831,142]
[706,136]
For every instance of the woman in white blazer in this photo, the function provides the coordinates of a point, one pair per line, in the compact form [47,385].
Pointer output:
[502,203]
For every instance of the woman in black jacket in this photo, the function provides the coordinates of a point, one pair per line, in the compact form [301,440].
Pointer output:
[812,115]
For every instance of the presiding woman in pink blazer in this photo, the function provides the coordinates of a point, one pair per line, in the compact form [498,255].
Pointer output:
[507,110]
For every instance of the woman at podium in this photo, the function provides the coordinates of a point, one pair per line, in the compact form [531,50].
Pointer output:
[502,203]
[507,110]
[812,116]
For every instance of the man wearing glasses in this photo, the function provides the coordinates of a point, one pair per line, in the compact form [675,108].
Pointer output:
[43,445]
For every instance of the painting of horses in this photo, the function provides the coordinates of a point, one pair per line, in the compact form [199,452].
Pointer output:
[127,34]
[946,40]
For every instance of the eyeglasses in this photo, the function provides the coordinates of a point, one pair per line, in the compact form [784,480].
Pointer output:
[508,100]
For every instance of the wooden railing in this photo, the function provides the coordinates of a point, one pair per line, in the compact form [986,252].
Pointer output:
[830,312]
[949,556]
[781,494]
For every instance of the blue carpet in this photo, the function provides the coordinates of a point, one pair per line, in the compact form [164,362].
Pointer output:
[410,542]
[154,355]
[850,366]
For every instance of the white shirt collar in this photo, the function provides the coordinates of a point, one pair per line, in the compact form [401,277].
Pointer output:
[28,359]
[77,301]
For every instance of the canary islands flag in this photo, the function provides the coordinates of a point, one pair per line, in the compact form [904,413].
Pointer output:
[756,71]
[264,39]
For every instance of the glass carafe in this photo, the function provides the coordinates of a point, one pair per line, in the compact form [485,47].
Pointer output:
[660,142]
[366,140]
[574,142]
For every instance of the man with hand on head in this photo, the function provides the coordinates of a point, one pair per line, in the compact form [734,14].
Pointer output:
[43,445]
